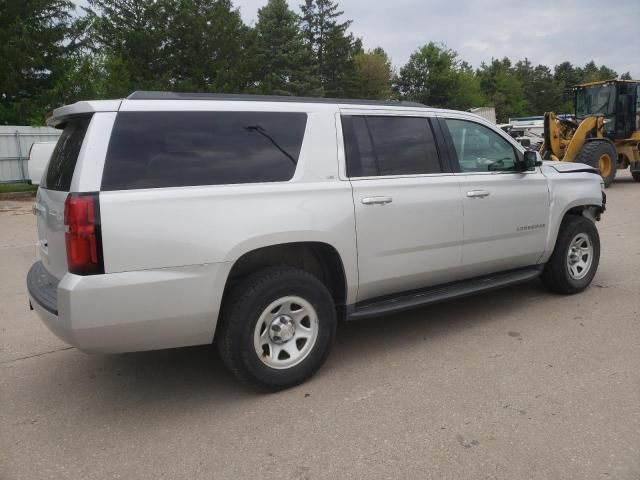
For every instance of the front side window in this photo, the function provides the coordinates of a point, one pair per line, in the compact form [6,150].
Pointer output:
[172,149]
[479,149]
[386,145]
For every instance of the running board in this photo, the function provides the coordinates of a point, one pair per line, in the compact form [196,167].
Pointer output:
[429,296]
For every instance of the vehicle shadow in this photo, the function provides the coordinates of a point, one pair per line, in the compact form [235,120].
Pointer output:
[194,378]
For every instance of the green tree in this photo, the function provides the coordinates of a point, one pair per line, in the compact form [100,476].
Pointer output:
[331,45]
[83,79]
[468,93]
[208,46]
[434,75]
[35,43]
[429,76]
[541,91]
[566,76]
[196,45]
[372,77]
[592,73]
[132,37]
[503,89]
[283,63]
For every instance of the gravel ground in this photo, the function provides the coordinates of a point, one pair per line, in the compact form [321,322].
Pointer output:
[514,384]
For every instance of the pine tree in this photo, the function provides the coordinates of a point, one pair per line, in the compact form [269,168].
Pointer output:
[35,44]
[132,38]
[542,91]
[188,45]
[330,43]
[283,63]
[209,47]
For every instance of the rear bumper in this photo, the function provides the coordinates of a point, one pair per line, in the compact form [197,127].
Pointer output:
[130,311]
[43,288]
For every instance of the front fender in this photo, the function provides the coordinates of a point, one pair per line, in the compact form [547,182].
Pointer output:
[575,191]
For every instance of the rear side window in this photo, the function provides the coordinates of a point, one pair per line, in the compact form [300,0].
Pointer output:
[173,149]
[65,155]
[385,145]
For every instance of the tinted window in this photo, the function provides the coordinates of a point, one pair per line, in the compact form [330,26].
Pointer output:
[168,149]
[361,161]
[389,146]
[480,149]
[65,155]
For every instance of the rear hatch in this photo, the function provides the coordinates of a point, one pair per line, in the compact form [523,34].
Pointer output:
[52,193]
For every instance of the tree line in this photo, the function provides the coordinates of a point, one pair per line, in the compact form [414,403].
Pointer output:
[52,54]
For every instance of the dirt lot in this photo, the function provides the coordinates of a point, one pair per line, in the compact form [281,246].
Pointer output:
[515,384]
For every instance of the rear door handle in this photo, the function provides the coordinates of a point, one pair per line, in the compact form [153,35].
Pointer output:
[38,208]
[478,194]
[376,200]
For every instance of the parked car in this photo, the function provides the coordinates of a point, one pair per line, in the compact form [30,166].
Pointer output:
[39,155]
[167,220]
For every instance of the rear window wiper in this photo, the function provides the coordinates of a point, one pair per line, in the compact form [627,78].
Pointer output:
[263,132]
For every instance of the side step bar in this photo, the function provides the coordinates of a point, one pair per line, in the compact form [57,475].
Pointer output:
[428,296]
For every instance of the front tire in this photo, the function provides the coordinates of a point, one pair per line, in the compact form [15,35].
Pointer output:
[277,327]
[602,155]
[575,258]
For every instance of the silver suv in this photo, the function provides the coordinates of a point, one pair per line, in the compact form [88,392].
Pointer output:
[256,223]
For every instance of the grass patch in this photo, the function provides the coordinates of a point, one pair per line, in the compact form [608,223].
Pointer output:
[17,187]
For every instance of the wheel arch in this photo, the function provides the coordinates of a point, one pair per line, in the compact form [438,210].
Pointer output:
[587,210]
[321,259]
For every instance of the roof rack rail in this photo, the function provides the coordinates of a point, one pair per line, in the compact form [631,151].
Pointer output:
[150,95]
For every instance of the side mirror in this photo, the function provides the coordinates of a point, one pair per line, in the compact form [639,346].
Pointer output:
[530,160]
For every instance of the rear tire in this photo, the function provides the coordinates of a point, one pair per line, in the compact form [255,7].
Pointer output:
[602,155]
[277,327]
[575,258]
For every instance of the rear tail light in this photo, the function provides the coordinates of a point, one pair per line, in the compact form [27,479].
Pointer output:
[82,234]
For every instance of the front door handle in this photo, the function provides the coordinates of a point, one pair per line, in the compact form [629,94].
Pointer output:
[477,194]
[376,200]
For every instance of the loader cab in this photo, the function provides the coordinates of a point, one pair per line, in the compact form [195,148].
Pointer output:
[617,101]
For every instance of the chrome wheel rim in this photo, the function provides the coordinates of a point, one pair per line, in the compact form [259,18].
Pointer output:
[286,332]
[580,256]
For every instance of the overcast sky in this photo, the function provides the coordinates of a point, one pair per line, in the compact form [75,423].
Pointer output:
[545,31]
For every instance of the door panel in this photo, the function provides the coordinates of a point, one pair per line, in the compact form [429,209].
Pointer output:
[505,227]
[505,212]
[410,240]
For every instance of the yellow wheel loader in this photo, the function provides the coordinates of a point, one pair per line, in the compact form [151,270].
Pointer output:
[606,130]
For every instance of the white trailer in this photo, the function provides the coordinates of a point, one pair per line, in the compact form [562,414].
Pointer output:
[488,113]
[15,142]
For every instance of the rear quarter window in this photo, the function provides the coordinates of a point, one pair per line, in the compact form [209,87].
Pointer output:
[174,149]
[65,155]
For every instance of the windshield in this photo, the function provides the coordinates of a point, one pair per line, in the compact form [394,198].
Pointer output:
[596,100]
